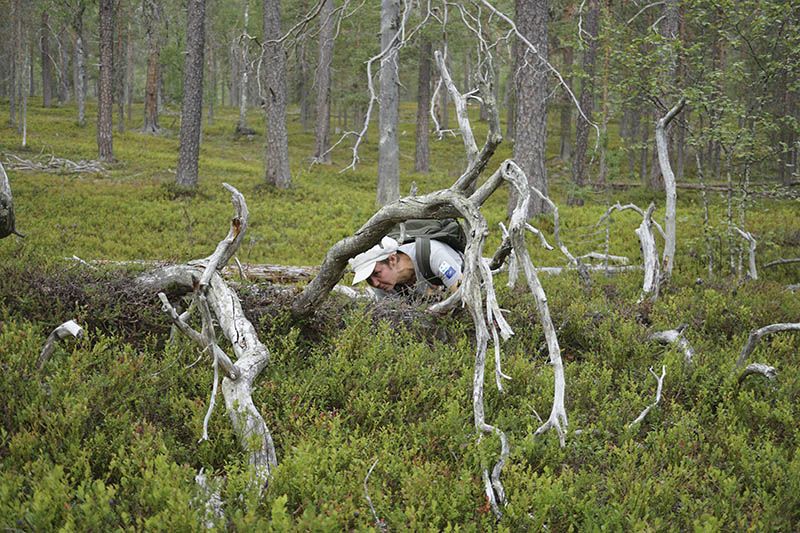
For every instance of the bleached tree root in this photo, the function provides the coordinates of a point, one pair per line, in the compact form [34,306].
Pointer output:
[70,328]
[209,498]
[755,337]
[767,371]
[213,297]
[658,395]
[675,336]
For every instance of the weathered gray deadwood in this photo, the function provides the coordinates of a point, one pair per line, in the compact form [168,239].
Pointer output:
[782,262]
[752,273]
[70,328]
[213,296]
[647,242]
[669,187]
[476,287]
[767,371]
[755,337]
[658,395]
[7,219]
[675,336]
[209,498]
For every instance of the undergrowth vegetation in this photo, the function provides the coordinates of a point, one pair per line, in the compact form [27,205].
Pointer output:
[106,436]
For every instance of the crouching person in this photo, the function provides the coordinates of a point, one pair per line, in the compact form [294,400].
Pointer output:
[421,267]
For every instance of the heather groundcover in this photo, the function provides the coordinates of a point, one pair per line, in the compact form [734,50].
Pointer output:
[372,403]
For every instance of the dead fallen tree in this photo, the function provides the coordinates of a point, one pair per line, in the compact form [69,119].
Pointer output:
[58,165]
[219,304]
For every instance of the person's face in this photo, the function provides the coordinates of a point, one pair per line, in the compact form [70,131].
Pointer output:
[384,276]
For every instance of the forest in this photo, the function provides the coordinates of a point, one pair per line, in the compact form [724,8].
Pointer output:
[183,183]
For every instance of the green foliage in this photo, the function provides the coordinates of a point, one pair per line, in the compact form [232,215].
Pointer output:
[105,438]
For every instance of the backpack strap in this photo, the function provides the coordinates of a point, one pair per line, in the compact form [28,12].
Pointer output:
[423,245]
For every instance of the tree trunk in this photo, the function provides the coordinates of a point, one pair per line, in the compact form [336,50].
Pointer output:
[15,69]
[444,102]
[322,134]
[212,85]
[192,104]
[119,71]
[565,144]
[633,114]
[105,147]
[422,152]
[388,119]
[531,114]
[129,64]
[276,159]
[152,15]
[586,100]
[80,62]
[241,126]
[63,69]
[643,157]
[669,28]
[47,62]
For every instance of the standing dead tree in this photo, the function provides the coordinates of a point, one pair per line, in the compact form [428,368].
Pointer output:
[669,187]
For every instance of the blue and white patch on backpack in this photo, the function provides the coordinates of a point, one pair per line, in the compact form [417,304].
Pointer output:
[446,270]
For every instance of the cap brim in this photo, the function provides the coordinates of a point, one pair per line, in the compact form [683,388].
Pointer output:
[363,272]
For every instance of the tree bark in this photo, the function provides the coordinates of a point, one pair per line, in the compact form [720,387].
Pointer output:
[276,159]
[241,126]
[129,64]
[119,70]
[80,62]
[192,104]
[152,16]
[105,146]
[662,145]
[322,133]
[47,62]
[422,152]
[531,79]
[388,113]
[586,100]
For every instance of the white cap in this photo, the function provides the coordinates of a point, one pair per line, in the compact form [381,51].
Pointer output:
[364,263]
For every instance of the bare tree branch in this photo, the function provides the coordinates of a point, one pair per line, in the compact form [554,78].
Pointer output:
[755,337]
[767,371]
[658,395]
[68,329]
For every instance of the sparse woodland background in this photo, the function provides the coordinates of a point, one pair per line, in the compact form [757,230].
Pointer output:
[369,404]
